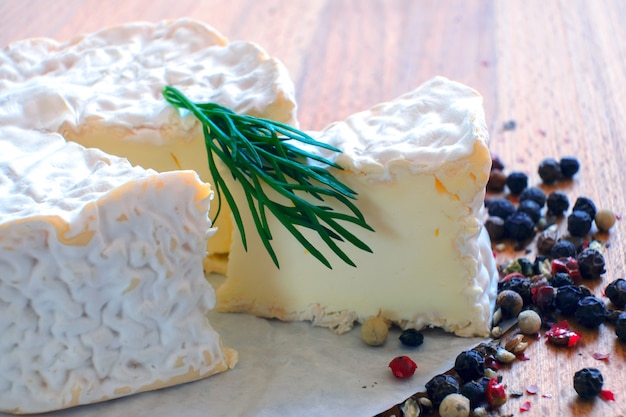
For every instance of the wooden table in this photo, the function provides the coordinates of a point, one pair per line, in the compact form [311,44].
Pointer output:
[557,68]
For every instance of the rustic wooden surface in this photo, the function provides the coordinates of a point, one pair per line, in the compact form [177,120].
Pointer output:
[557,68]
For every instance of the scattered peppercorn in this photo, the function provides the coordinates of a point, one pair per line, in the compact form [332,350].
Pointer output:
[519,226]
[591,263]
[411,337]
[535,194]
[560,279]
[529,322]
[591,312]
[569,166]
[474,391]
[567,298]
[546,241]
[517,181]
[585,204]
[588,382]
[549,170]
[440,386]
[497,181]
[605,219]
[496,163]
[616,292]
[495,227]
[455,405]
[402,367]
[495,393]
[520,285]
[510,302]
[374,331]
[578,223]
[509,125]
[563,249]
[469,365]
[620,327]
[543,296]
[500,207]
[522,265]
[531,208]
[560,334]
[557,203]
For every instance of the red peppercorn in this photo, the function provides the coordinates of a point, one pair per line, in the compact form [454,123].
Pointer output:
[402,367]
[561,335]
[568,265]
[496,394]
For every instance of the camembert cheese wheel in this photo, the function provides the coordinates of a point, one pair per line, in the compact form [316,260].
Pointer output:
[102,291]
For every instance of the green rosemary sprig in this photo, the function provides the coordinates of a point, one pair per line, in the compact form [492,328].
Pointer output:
[261,152]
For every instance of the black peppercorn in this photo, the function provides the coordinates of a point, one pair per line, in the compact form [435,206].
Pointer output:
[587,205]
[440,386]
[500,207]
[549,170]
[616,292]
[620,327]
[411,337]
[591,312]
[469,365]
[567,298]
[578,223]
[531,208]
[519,226]
[517,182]
[590,263]
[563,249]
[520,285]
[535,194]
[557,203]
[569,166]
[474,391]
[560,279]
[588,382]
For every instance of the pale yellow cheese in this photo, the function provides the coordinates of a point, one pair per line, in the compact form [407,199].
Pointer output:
[419,165]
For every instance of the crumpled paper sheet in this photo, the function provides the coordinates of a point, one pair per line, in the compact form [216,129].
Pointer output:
[292,369]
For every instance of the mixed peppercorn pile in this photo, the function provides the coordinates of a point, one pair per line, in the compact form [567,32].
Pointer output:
[543,294]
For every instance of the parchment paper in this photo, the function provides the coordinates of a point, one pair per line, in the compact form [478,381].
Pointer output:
[292,369]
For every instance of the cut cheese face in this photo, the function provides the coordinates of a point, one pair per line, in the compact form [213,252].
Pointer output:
[419,165]
[102,292]
[104,90]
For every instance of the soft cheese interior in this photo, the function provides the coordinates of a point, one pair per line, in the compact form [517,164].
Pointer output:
[102,292]
[104,90]
[420,165]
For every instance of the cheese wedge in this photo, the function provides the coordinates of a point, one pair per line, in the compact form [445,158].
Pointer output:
[419,164]
[102,292]
[103,90]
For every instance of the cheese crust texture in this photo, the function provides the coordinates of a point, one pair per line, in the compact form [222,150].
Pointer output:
[419,164]
[104,90]
[102,292]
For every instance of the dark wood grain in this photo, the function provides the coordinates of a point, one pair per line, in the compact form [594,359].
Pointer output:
[557,68]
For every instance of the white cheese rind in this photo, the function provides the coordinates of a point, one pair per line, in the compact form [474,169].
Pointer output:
[102,292]
[419,165]
[104,90]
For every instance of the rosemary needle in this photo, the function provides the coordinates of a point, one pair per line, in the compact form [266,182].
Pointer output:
[261,156]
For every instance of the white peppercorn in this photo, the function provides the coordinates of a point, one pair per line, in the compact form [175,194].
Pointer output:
[455,405]
[529,322]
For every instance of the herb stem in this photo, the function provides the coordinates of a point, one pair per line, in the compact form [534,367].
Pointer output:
[261,155]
